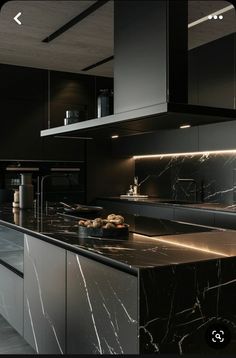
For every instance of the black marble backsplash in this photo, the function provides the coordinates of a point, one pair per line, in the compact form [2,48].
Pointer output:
[213,177]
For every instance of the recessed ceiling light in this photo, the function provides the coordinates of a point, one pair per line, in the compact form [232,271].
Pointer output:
[215,17]
[114,136]
[221,17]
[185,126]
[210,17]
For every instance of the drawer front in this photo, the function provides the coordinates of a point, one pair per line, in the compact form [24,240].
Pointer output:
[225,220]
[11,298]
[119,208]
[160,212]
[194,216]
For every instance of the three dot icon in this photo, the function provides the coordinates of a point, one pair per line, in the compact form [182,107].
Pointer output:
[215,17]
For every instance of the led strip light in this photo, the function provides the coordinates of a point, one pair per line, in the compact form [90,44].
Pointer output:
[231,151]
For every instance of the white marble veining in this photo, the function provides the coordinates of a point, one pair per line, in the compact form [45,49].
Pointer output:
[44,312]
[99,347]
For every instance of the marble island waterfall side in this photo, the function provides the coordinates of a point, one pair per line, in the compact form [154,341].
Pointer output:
[179,303]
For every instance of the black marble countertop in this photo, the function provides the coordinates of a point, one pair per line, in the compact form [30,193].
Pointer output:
[168,243]
[167,202]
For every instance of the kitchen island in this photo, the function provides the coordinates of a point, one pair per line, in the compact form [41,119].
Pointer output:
[157,291]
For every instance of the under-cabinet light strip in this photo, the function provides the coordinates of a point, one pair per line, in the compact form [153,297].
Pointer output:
[231,151]
[205,18]
[21,169]
[65,169]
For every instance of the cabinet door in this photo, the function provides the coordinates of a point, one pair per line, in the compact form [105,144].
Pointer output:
[120,207]
[11,298]
[225,220]
[23,93]
[44,296]
[102,308]
[161,212]
[202,217]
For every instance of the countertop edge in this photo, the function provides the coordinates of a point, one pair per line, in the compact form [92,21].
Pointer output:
[92,255]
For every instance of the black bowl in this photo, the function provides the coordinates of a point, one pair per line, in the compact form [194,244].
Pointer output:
[116,233]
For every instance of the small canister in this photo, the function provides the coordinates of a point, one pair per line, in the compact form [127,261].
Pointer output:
[15,203]
[16,196]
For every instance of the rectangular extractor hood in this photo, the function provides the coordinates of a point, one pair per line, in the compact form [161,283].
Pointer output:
[150,74]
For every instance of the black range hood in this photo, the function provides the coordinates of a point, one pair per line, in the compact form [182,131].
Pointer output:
[145,120]
[150,74]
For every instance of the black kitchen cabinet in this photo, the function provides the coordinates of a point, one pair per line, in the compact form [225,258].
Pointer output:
[23,110]
[20,131]
[67,91]
[216,86]
[70,91]
[211,78]
[26,110]
[119,207]
[162,212]
[196,216]
[160,142]
[22,83]
[225,220]
[217,136]
[153,211]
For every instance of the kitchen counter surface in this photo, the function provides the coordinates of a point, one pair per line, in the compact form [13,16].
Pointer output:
[163,246]
[169,202]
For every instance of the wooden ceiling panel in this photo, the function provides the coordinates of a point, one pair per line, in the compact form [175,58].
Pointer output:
[209,30]
[200,8]
[87,42]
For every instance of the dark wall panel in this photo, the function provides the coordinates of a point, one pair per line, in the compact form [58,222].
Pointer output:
[212,73]
[106,176]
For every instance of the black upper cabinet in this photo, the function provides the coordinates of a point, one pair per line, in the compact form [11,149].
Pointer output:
[22,83]
[23,110]
[33,99]
[211,73]
[69,91]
